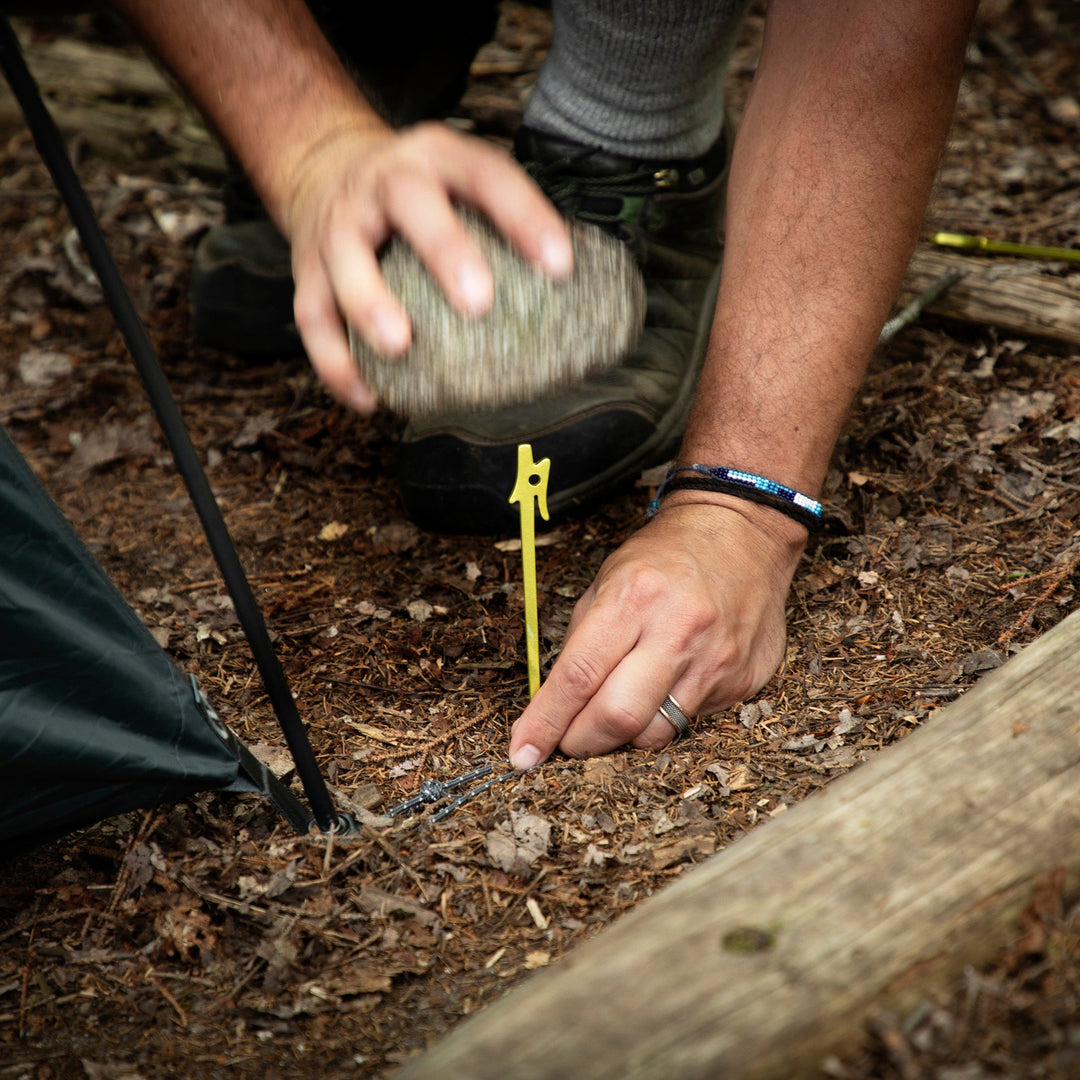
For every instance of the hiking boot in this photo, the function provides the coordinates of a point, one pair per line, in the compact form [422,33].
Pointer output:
[456,472]
[242,290]
[412,61]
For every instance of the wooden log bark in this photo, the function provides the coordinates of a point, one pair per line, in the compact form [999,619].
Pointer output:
[771,954]
[1017,296]
[123,106]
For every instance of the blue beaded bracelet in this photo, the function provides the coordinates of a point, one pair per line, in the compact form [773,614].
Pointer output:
[743,485]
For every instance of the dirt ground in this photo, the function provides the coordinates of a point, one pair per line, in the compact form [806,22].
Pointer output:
[204,940]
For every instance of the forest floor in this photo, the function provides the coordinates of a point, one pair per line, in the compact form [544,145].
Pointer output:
[204,940]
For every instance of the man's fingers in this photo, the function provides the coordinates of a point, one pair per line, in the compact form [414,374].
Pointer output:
[404,183]
[656,735]
[576,678]
[660,730]
[421,211]
[625,705]
[361,294]
[489,179]
[521,212]
[319,324]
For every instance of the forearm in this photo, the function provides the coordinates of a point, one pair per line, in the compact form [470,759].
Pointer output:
[262,73]
[833,166]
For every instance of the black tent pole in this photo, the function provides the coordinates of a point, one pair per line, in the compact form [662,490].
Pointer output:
[53,152]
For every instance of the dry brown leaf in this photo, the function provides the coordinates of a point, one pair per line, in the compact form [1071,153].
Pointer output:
[333,530]
[419,610]
[381,902]
[598,770]
[698,847]
[109,443]
[1007,410]
[395,536]
[515,845]
[741,778]
[43,367]
[275,757]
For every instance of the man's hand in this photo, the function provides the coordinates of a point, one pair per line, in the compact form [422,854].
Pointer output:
[337,180]
[692,606]
[831,169]
[355,189]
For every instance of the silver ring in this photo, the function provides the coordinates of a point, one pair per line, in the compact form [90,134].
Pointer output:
[672,711]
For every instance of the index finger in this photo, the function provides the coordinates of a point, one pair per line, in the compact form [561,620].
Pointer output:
[319,324]
[492,181]
[585,663]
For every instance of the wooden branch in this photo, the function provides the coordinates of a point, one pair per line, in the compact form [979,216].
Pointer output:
[123,106]
[1016,296]
[772,954]
[89,71]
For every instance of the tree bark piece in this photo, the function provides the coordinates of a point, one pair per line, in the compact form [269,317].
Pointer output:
[1018,296]
[123,106]
[773,953]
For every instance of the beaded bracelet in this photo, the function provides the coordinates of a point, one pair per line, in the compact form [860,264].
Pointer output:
[742,485]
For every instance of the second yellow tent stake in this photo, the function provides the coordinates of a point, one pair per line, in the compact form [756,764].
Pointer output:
[531,483]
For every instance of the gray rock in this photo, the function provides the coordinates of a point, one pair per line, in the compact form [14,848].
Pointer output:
[539,336]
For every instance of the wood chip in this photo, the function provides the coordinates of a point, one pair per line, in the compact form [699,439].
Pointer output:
[537,915]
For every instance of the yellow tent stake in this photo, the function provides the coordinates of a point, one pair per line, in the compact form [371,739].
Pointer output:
[531,483]
[1004,247]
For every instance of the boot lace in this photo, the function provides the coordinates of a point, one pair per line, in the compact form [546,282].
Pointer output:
[595,199]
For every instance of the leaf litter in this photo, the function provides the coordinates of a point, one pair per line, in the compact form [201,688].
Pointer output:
[206,936]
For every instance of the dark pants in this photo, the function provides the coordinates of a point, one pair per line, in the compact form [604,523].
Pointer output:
[411,57]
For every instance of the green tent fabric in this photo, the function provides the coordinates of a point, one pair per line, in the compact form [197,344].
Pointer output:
[95,718]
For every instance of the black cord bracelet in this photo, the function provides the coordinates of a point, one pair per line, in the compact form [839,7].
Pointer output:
[743,485]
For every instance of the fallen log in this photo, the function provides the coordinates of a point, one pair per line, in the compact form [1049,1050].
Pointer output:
[1018,296]
[773,953]
[121,105]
